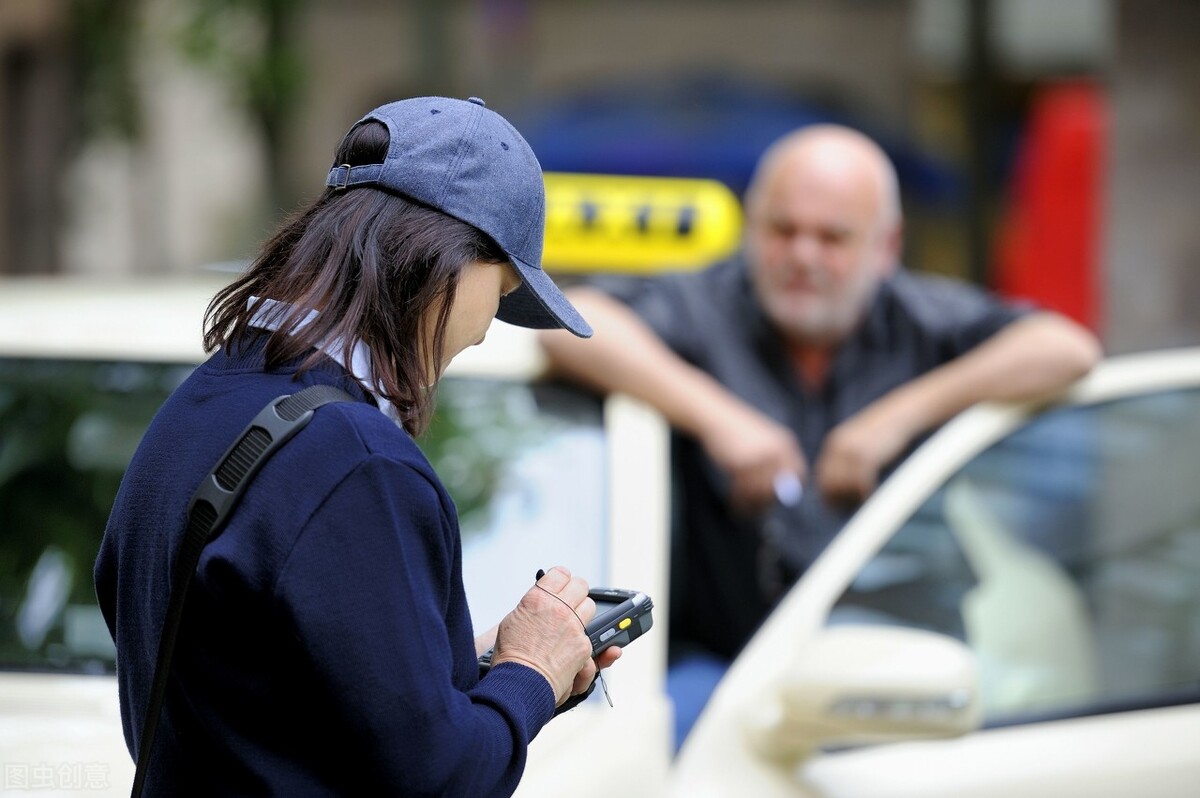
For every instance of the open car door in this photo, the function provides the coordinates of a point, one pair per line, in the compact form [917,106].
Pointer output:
[1014,612]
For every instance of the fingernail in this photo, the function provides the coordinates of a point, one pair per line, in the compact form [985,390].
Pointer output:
[539,575]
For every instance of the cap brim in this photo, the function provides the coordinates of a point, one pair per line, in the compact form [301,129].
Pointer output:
[539,304]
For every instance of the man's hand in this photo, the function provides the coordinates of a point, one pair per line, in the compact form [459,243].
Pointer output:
[752,448]
[858,449]
[1030,358]
[626,355]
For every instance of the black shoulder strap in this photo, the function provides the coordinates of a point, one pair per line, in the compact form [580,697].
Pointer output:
[208,511]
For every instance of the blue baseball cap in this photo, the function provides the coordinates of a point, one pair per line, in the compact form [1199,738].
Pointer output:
[466,160]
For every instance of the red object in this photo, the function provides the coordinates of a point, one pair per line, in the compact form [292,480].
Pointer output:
[1048,245]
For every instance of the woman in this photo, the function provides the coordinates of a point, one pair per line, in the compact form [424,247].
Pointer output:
[326,647]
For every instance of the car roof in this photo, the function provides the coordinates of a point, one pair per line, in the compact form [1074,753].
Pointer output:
[160,319]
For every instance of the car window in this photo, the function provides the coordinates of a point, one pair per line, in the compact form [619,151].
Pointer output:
[67,431]
[1067,556]
[524,463]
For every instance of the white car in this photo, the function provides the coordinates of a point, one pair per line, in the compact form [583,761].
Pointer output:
[541,474]
[1015,612]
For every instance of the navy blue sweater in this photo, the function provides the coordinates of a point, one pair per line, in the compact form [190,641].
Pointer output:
[327,647]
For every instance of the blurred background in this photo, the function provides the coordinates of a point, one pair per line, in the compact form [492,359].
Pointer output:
[1047,148]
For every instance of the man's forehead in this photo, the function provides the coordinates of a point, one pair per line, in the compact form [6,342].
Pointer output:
[829,191]
[813,199]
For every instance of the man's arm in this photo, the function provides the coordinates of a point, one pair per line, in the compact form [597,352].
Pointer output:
[626,356]
[1032,357]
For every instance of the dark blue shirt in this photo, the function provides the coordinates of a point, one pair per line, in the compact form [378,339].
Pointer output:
[713,321]
[327,647]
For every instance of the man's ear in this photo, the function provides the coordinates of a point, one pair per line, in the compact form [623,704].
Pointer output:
[892,247]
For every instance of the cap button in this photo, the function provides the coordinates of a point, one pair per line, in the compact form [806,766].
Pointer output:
[477,101]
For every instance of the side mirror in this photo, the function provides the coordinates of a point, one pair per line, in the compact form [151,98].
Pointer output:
[857,685]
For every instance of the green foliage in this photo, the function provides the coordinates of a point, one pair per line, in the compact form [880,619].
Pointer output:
[250,44]
[104,35]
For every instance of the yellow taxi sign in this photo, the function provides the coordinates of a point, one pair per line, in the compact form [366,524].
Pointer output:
[615,223]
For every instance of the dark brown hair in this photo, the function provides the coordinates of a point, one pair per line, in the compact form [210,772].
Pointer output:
[375,264]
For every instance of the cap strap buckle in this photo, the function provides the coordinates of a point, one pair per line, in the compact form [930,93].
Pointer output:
[345,182]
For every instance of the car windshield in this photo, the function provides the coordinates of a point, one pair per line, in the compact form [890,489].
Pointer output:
[1067,556]
[68,429]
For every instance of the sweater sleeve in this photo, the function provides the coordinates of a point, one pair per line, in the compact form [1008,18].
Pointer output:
[373,594]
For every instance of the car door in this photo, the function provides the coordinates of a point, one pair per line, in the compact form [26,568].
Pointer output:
[1016,612]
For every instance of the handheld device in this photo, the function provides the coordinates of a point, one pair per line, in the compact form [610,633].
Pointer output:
[622,616]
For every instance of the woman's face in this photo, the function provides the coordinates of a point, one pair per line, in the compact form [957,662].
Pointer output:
[480,286]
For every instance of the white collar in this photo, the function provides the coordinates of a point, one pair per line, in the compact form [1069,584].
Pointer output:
[270,316]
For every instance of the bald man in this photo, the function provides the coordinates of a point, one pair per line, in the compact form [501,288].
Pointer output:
[812,357]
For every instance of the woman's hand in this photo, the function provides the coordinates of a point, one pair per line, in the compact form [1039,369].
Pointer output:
[485,641]
[547,632]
